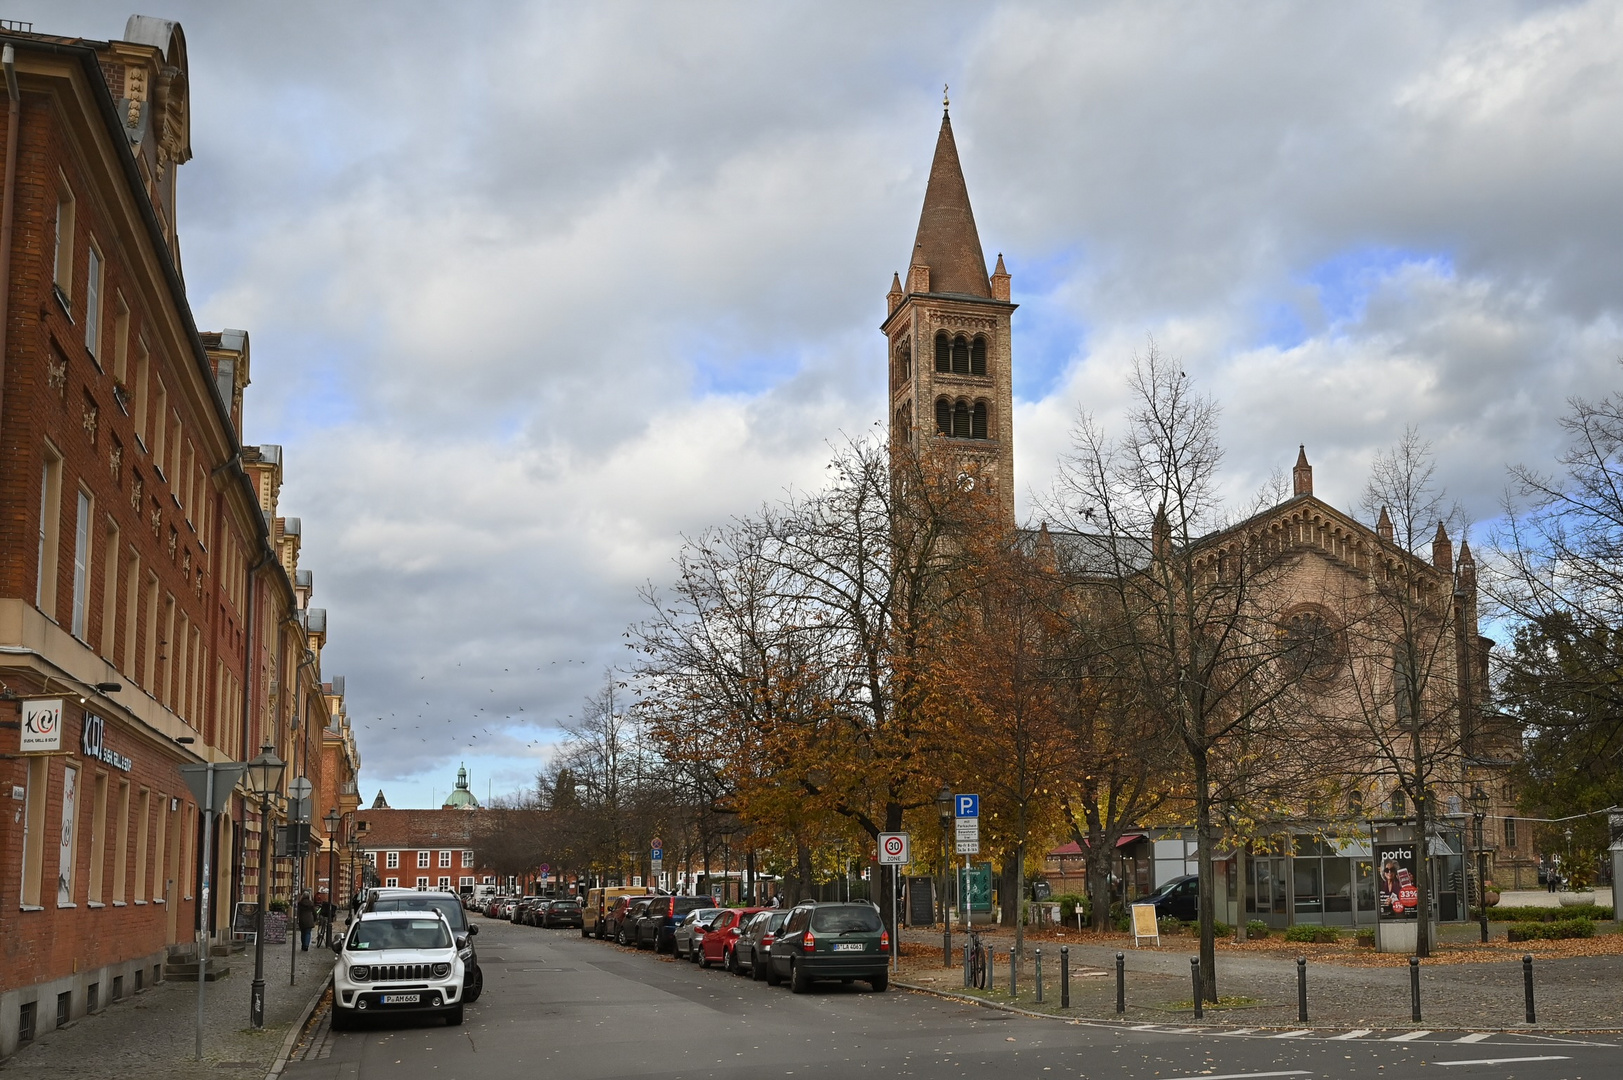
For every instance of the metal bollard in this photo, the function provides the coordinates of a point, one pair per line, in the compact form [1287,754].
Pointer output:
[1194,975]
[1065,976]
[1414,988]
[1301,989]
[1121,983]
[1014,974]
[1527,986]
[1039,976]
[1483,919]
[966,965]
[991,969]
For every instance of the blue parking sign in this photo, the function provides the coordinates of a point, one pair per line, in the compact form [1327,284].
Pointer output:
[967,806]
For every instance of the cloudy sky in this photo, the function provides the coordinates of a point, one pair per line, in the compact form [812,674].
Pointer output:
[535,288]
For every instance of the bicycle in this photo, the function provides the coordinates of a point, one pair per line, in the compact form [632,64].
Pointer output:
[977,961]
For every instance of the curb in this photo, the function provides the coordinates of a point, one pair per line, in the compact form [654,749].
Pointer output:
[297,1029]
[1119,1021]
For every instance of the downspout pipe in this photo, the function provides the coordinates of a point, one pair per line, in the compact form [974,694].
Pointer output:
[8,205]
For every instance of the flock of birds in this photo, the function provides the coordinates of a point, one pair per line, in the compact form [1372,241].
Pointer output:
[400,723]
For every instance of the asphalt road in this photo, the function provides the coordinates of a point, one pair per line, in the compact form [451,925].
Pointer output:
[556,1005]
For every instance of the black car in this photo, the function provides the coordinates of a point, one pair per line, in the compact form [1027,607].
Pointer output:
[562,913]
[830,941]
[449,905]
[657,924]
[1177,899]
[755,942]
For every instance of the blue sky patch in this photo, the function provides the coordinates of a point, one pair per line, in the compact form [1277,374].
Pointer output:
[1047,332]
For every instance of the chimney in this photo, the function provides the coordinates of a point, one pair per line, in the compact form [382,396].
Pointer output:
[1302,475]
[1383,527]
[1442,550]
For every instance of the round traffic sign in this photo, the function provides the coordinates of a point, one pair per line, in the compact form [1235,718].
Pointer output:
[893,845]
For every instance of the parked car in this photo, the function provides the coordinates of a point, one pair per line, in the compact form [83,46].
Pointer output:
[690,931]
[718,942]
[533,914]
[619,925]
[595,912]
[1176,899]
[393,962]
[562,913]
[450,907]
[756,942]
[845,941]
[657,925]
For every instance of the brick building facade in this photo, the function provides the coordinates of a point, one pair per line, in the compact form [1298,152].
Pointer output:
[148,611]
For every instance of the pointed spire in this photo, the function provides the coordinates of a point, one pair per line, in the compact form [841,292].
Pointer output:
[1465,554]
[947,242]
[894,297]
[1161,534]
[1000,281]
[1302,475]
[1442,550]
[1045,548]
[1383,527]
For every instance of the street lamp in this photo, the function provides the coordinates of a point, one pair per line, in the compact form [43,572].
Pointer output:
[331,822]
[264,774]
[1479,811]
[943,805]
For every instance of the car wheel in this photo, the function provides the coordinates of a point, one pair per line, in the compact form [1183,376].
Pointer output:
[453,1016]
[879,982]
[620,936]
[799,981]
[755,966]
[659,946]
[732,962]
[583,932]
[341,1019]
[704,960]
[772,976]
[471,994]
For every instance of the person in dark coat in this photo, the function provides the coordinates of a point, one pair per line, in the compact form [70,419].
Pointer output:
[307,919]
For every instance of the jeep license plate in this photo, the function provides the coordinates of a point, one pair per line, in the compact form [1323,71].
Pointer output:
[402,999]
[849,946]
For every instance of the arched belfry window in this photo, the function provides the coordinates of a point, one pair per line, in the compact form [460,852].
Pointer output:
[960,421]
[943,416]
[977,356]
[943,351]
[977,421]
[960,355]
[904,360]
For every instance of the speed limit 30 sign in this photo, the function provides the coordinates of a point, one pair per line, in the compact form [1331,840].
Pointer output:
[894,849]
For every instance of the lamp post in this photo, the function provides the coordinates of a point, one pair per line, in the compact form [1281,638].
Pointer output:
[264,777]
[943,805]
[1479,812]
[331,822]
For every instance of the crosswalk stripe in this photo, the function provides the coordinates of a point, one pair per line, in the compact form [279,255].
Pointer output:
[1475,1036]
[1292,1034]
[1358,1033]
[1408,1035]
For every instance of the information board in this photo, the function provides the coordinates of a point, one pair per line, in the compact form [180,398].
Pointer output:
[1145,924]
[920,901]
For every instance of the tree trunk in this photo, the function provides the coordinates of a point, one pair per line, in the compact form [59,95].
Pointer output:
[1239,892]
[1098,870]
[1422,877]
[803,871]
[1019,899]
[1006,887]
[1208,899]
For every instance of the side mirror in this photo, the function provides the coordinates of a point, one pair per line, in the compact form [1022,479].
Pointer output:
[338,945]
[472,930]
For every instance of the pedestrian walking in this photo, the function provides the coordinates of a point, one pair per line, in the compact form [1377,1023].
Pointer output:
[307,920]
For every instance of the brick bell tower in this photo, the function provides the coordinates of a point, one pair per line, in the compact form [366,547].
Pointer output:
[947,325]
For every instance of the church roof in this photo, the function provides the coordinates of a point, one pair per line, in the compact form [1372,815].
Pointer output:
[461,798]
[380,803]
[947,241]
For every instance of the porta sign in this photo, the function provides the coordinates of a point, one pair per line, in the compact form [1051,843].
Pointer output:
[42,725]
[893,849]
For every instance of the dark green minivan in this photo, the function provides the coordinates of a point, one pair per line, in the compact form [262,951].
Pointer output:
[831,941]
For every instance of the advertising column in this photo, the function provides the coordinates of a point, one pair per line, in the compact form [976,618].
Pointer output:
[1397,899]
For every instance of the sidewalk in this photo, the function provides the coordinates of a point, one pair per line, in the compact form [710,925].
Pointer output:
[1259,988]
[154,1033]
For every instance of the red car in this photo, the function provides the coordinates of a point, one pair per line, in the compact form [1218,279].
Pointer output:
[717,945]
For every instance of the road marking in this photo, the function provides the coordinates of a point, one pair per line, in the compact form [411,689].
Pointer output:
[1498,1061]
[1145,1027]
[1244,1076]
[1475,1036]
[1357,1033]
[1292,1034]
[1407,1035]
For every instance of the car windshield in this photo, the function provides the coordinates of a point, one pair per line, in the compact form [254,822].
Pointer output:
[845,920]
[374,935]
[566,904]
[446,905]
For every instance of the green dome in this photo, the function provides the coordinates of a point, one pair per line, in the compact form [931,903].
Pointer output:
[461,798]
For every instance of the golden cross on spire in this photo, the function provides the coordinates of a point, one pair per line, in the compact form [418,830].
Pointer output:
[944,101]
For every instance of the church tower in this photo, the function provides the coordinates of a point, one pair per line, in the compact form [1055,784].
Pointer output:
[947,325]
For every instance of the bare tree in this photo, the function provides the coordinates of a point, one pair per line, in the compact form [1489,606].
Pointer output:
[1186,595]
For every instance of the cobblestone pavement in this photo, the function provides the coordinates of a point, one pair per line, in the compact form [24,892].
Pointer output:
[1571,993]
[154,1032]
